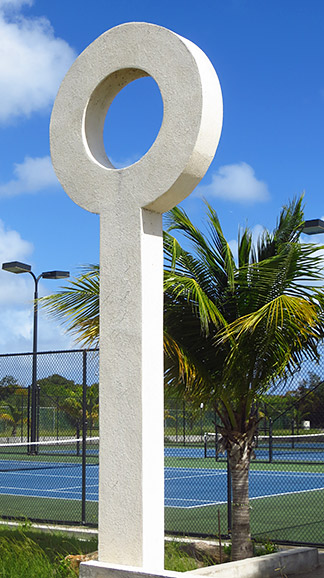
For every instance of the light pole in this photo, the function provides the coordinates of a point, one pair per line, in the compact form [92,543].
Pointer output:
[17,267]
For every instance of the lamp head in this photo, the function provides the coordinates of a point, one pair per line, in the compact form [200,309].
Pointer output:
[16,267]
[55,274]
[313,227]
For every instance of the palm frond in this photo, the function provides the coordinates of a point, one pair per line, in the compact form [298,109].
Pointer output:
[77,306]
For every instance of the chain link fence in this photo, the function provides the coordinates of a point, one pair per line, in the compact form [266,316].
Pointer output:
[287,472]
[57,480]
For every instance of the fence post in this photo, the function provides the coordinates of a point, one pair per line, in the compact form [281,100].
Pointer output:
[270,440]
[229,497]
[84,433]
[216,442]
[28,420]
[265,419]
[22,419]
[184,422]
[292,433]
[57,418]
[37,416]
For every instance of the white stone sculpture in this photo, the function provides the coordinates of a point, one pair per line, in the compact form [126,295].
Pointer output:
[130,202]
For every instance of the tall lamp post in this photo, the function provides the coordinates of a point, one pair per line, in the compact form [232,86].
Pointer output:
[17,267]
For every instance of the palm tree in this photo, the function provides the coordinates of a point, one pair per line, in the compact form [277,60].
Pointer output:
[12,414]
[232,329]
[72,405]
[78,304]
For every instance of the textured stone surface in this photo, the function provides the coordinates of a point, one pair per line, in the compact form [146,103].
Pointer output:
[130,202]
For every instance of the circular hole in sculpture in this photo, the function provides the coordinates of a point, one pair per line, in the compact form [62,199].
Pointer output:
[133,122]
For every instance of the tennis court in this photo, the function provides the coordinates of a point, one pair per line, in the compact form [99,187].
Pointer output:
[185,487]
[48,487]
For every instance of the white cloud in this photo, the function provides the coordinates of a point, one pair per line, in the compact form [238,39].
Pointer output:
[12,246]
[16,331]
[14,4]
[13,288]
[233,245]
[257,231]
[237,183]
[32,62]
[16,302]
[31,176]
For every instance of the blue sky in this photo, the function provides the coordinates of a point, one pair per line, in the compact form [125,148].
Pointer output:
[269,59]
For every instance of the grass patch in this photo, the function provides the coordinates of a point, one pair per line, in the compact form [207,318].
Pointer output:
[177,560]
[28,553]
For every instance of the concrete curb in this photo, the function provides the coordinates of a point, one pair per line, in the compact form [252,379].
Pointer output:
[293,561]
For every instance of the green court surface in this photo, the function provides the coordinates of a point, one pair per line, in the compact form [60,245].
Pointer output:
[51,510]
[295,518]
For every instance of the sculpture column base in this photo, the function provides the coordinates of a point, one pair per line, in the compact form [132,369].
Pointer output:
[94,569]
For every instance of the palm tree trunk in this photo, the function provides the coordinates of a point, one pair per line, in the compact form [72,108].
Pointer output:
[239,462]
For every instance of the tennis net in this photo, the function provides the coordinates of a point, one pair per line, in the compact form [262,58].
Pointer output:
[290,448]
[49,453]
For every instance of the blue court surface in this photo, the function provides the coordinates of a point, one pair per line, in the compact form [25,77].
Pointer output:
[184,487]
[309,453]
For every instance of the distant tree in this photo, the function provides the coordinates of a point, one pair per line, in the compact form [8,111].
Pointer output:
[13,414]
[8,386]
[278,407]
[72,406]
[56,386]
[92,411]
[310,400]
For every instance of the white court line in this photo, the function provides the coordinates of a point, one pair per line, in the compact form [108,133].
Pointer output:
[202,470]
[197,506]
[197,475]
[286,473]
[33,473]
[184,500]
[288,493]
[60,489]
[253,498]
[74,488]
[47,497]
[45,465]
